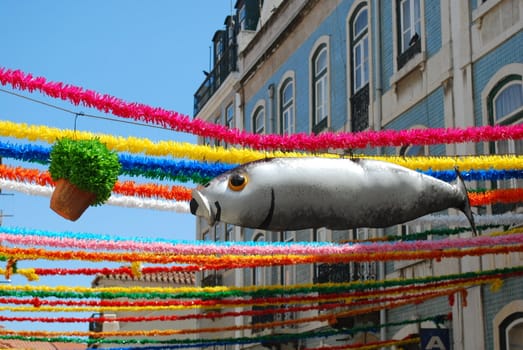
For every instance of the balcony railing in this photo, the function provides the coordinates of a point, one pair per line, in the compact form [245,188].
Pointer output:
[212,280]
[409,53]
[339,273]
[360,109]
[216,77]
[95,326]
[271,317]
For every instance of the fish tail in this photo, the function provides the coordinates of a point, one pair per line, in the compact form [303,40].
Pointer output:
[466,205]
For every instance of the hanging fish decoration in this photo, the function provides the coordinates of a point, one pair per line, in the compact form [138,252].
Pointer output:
[280,194]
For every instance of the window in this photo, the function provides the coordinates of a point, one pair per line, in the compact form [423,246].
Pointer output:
[287,271]
[229,115]
[242,14]
[217,121]
[508,100]
[320,89]
[206,236]
[258,121]
[360,50]
[218,232]
[229,232]
[258,272]
[287,107]
[505,106]
[359,41]
[511,332]
[409,30]
[410,23]
[218,49]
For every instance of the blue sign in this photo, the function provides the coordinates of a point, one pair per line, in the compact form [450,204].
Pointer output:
[435,339]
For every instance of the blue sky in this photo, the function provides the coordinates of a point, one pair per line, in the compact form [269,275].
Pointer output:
[151,52]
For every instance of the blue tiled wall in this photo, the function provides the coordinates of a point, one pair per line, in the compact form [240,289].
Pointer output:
[433,26]
[387,50]
[432,31]
[428,112]
[483,69]
[335,27]
[511,290]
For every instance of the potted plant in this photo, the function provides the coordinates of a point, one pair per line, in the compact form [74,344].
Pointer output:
[85,172]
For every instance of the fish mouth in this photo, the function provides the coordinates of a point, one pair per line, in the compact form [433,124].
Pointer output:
[200,206]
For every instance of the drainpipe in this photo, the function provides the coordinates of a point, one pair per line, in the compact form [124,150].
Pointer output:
[270,109]
[377,126]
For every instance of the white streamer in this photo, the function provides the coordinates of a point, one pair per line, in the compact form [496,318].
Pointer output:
[461,220]
[183,207]
[120,201]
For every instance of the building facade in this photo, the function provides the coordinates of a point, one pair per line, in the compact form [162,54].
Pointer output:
[309,66]
[162,319]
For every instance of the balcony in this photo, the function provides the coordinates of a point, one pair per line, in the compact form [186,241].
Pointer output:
[104,326]
[360,109]
[212,280]
[339,273]
[215,78]
[409,53]
[271,317]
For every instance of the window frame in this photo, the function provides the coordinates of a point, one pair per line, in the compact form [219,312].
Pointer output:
[229,116]
[414,50]
[357,40]
[413,22]
[287,114]
[255,127]
[506,326]
[217,121]
[320,88]
[501,85]
[258,273]
[511,146]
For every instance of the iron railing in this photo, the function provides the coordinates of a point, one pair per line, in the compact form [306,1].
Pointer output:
[215,78]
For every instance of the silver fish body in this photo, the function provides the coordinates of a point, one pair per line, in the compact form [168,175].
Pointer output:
[279,194]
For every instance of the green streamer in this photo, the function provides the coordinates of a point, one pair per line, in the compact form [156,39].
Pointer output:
[439,319]
[266,291]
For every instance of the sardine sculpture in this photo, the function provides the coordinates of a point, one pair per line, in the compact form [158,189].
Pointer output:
[279,194]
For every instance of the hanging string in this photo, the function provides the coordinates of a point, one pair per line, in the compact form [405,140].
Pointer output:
[173,120]
[120,201]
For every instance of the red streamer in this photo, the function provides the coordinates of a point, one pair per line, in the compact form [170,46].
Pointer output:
[176,121]
[513,195]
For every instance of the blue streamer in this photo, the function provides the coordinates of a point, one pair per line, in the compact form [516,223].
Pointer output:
[200,172]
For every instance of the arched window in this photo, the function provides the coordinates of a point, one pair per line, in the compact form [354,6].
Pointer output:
[320,88]
[258,120]
[359,48]
[287,107]
[506,100]
[511,332]
[505,106]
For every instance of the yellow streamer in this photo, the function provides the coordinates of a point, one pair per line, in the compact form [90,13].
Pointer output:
[175,290]
[236,155]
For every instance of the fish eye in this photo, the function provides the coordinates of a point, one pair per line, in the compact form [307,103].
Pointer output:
[237,182]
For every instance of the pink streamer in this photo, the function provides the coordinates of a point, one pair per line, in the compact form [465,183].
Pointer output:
[176,121]
[253,249]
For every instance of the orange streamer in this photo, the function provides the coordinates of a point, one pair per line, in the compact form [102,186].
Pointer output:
[513,195]
[127,188]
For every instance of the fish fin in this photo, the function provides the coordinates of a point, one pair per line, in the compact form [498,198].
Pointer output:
[466,206]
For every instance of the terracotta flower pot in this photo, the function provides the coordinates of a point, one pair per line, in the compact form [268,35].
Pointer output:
[69,201]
